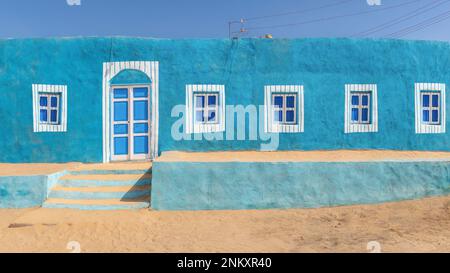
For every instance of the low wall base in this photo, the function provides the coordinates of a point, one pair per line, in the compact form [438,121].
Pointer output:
[264,185]
[22,191]
[26,191]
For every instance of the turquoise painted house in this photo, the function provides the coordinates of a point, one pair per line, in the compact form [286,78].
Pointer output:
[105,99]
[96,100]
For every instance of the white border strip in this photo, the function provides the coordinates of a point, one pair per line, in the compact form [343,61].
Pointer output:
[191,126]
[429,128]
[361,128]
[110,70]
[49,88]
[269,126]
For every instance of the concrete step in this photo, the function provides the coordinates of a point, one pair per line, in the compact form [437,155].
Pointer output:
[103,180]
[104,204]
[109,192]
[103,187]
[114,166]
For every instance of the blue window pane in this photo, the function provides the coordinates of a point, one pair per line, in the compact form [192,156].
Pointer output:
[277,116]
[121,93]
[426,116]
[355,116]
[365,100]
[140,128]
[365,115]
[121,111]
[121,129]
[278,101]
[290,116]
[43,115]
[355,100]
[54,101]
[435,116]
[199,116]
[43,101]
[212,116]
[212,100]
[290,101]
[140,92]
[435,101]
[121,145]
[54,116]
[140,145]
[200,101]
[426,101]
[140,110]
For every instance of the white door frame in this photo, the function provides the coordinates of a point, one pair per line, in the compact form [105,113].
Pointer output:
[110,70]
[130,122]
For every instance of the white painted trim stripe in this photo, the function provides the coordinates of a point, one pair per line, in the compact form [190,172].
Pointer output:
[49,88]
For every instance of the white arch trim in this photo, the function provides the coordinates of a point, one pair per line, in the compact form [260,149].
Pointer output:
[111,69]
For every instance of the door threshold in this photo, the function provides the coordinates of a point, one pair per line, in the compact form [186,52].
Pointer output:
[131,161]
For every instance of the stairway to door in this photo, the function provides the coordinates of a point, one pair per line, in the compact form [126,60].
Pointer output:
[113,186]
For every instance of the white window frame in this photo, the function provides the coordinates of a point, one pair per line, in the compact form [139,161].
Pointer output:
[271,126]
[430,108]
[48,91]
[49,108]
[360,107]
[361,127]
[192,126]
[284,109]
[429,127]
[206,108]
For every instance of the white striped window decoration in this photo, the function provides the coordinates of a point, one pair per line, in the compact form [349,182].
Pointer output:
[283,109]
[429,108]
[49,108]
[205,108]
[361,108]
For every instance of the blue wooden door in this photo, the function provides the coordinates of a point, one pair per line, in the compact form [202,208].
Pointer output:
[130,123]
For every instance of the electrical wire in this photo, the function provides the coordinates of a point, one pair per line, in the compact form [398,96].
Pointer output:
[296,12]
[335,17]
[401,19]
[425,26]
[419,26]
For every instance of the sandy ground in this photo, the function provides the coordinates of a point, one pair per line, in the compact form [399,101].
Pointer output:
[7,169]
[304,156]
[409,226]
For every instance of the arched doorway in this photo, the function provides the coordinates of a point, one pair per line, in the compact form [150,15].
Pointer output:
[130,114]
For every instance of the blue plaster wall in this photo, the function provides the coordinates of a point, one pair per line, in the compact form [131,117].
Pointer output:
[22,191]
[239,185]
[244,66]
